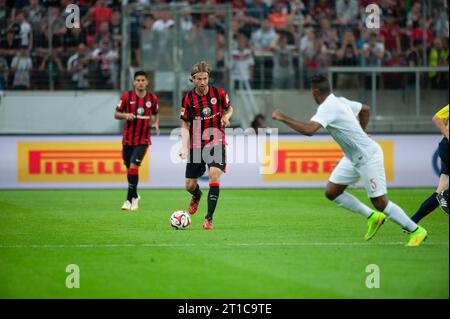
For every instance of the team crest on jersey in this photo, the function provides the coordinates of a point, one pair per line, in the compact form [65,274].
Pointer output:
[206,111]
[213,100]
[148,104]
[140,111]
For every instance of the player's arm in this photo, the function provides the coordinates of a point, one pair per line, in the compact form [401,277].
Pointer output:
[364,116]
[227,116]
[155,124]
[440,124]
[124,116]
[305,128]
[119,113]
[185,126]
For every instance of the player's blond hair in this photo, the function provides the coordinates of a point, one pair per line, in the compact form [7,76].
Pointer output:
[201,66]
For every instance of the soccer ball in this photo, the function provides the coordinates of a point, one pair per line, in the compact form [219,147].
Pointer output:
[180,220]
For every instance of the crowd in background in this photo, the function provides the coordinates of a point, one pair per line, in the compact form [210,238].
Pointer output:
[275,36]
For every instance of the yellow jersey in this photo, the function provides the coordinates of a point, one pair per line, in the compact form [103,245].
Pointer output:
[443,115]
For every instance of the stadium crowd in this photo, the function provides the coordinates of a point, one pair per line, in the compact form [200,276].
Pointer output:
[272,35]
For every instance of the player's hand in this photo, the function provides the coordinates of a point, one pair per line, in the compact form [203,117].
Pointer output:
[225,121]
[156,127]
[277,115]
[130,117]
[183,154]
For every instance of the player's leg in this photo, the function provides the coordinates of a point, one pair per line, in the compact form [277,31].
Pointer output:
[374,178]
[343,175]
[213,195]
[433,201]
[217,165]
[137,157]
[127,151]
[442,190]
[193,172]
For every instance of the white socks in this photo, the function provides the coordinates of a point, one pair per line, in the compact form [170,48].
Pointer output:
[395,213]
[350,202]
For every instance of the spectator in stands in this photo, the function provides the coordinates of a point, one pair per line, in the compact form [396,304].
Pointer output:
[9,46]
[414,55]
[347,12]
[264,37]
[283,64]
[390,33]
[324,31]
[258,122]
[347,55]
[414,14]
[440,23]
[307,41]
[77,66]
[394,80]
[258,10]
[116,28]
[21,67]
[278,17]
[5,12]
[242,62]
[438,57]
[35,14]
[107,64]
[104,35]
[238,4]
[373,51]
[323,9]
[212,23]
[417,33]
[58,32]
[97,14]
[50,66]
[331,46]
[301,15]
[186,20]
[23,30]
[73,38]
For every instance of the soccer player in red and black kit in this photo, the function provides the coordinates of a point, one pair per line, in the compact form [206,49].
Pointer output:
[137,108]
[205,111]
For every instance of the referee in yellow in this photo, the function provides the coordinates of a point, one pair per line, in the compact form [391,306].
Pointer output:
[440,197]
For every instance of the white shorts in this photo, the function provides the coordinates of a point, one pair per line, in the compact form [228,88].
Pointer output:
[371,173]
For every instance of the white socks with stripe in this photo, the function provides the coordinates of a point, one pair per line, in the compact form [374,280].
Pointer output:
[396,214]
[350,202]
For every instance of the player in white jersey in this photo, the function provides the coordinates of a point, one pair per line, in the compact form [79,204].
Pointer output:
[346,121]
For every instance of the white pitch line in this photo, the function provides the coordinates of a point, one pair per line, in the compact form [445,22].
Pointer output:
[323,244]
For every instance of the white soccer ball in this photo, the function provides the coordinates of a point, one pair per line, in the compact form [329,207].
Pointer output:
[180,220]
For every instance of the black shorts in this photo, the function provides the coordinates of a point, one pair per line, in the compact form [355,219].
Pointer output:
[443,154]
[133,154]
[200,158]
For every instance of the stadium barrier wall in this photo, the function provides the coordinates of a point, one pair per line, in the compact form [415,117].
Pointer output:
[49,162]
[55,112]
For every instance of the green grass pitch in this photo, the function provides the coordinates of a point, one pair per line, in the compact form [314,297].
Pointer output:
[266,244]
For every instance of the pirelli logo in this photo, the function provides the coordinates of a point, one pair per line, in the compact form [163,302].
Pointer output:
[73,162]
[312,161]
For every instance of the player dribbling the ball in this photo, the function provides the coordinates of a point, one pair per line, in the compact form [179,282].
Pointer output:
[205,111]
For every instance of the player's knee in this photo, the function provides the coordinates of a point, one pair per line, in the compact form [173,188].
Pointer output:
[330,194]
[379,203]
[190,186]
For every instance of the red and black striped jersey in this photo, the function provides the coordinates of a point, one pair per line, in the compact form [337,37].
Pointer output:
[204,114]
[137,132]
